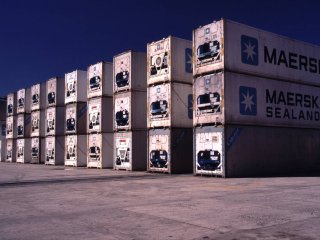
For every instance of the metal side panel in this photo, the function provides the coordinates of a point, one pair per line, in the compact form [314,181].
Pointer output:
[23,127]
[209,151]
[54,150]
[76,118]
[208,103]
[38,96]
[11,104]
[10,150]
[3,127]
[100,150]
[208,48]
[2,150]
[11,124]
[138,71]
[75,150]
[38,150]
[23,100]
[75,86]
[100,115]
[55,92]
[3,109]
[23,150]
[55,118]
[38,120]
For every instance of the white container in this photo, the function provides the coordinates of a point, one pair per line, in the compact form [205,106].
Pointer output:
[76,118]
[38,152]
[55,92]
[99,80]
[38,96]
[23,129]
[23,100]
[75,86]
[170,150]
[99,115]
[11,150]
[169,59]
[209,148]
[129,71]
[55,119]
[38,120]
[169,105]
[11,104]
[23,150]
[130,111]
[100,150]
[54,150]
[208,92]
[75,151]
[11,124]
[130,150]
[3,109]
[240,48]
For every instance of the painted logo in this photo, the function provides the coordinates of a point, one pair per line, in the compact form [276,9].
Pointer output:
[248,101]
[188,56]
[249,50]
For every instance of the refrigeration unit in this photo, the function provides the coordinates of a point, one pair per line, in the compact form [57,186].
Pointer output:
[100,150]
[38,96]
[75,153]
[38,152]
[38,120]
[23,101]
[23,150]
[76,118]
[55,117]
[11,104]
[99,115]
[23,126]
[75,86]
[10,150]
[55,92]
[54,150]
[99,80]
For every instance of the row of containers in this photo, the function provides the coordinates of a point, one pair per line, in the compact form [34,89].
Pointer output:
[236,101]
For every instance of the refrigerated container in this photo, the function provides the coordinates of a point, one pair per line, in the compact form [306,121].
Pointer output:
[38,120]
[169,59]
[129,71]
[99,80]
[23,150]
[76,118]
[3,108]
[55,92]
[38,150]
[11,104]
[100,150]
[75,151]
[10,126]
[75,86]
[10,150]
[23,101]
[240,48]
[169,105]
[55,118]
[2,150]
[38,96]
[99,115]
[23,129]
[130,111]
[170,150]
[54,150]
[130,150]
[3,128]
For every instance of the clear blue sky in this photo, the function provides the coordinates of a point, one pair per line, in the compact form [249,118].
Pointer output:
[42,39]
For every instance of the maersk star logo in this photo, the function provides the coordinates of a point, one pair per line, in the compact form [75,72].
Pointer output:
[188,56]
[248,101]
[249,50]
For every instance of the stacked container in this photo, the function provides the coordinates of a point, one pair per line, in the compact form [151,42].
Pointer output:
[75,122]
[38,120]
[54,124]
[99,116]
[3,114]
[169,106]
[129,110]
[256,102]
[10,127]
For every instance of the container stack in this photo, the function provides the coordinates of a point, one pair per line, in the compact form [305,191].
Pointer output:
[3,114]
[169,107]
[76,119]
[99,116]
[129,106]
[38,119]
[54,124]
[256,108]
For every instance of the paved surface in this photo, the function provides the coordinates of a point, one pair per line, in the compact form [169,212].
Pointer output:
[48,202]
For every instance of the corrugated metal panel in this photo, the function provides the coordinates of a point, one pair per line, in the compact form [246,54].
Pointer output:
[76,118]
[100,150]
[38,120]
[54,150]
[23,150]
[99,115]
[75,153]
[11,104]
[55,92]
[75,86]
[55,118]
[10,150]
[38,96]
[38,150]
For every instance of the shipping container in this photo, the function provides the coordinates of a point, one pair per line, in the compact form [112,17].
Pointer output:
[2,150]
[3,132]
[236,47]
[10,150]
[99,80]
[54,150]
[38,147]
[23,128]
[130,150]
[38,96]
[208,95]
[75,87]
[99,115]
[11,104]
[130,111]
[38,122]
[3,108]
[170,150]
[11,124]
[100,150]
[55,92]
[169,105]
[129,71]
[55,118]
[23,150]
[24,100]
[76,118]
[75,151]
[169,59]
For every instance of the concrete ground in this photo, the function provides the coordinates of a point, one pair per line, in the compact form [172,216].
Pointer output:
[49,202]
